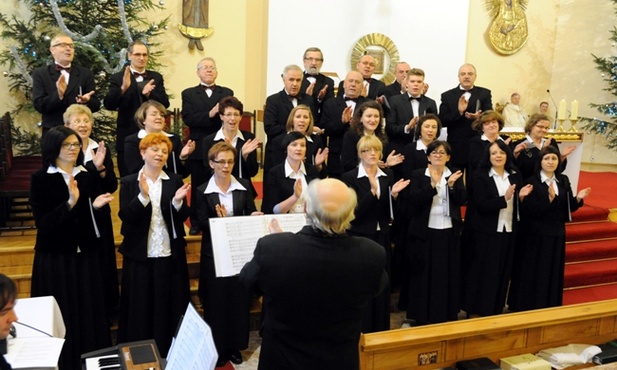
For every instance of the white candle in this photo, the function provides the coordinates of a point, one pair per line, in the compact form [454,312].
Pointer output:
[561,113]
[574,110]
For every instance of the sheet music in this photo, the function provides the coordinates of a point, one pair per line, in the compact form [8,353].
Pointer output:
[193,348]
[234,238]
[34,352]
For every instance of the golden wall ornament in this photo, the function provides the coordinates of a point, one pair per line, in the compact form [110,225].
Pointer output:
[383,49]
[194,24]
[508,31]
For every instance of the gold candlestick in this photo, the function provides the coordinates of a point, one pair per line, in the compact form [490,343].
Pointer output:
[573,122]
[561,128]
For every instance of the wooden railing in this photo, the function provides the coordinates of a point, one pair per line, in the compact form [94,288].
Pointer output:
[494,337]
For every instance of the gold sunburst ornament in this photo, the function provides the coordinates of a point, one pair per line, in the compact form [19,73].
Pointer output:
[383,49]
[508,31]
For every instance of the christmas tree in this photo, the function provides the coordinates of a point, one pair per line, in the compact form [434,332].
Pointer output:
[101,31]
[607,128]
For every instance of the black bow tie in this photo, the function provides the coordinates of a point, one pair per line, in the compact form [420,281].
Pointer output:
[211,87]
[368,79]
[415,98]
[291,98]
[61,68]
[352,99]
[309,75]
[137,74]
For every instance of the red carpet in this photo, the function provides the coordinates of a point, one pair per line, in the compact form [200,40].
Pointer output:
[602,185]
[591,249]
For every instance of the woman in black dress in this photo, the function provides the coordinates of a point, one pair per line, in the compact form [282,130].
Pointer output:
[155,281]
[284,185]
[226,303]
[539,262]
[67,203]
[301,120]
[487,262]
[245,143]
[150,118]
[97,159]
[367,120]
[435,194]
[526,150]
[374,187]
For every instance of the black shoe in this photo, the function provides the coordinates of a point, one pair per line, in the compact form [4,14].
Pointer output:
[195,230]
[235,357]
[221,362]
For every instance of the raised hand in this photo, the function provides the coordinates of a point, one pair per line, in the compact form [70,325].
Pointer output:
[221,211]
[85,98]
[148,88]
[346,115]
[321,156]
[181,193]
[250,146]
[144,189]
[455,176]
[99,157]
[102,200]
[126,79]
[73,191]
[61,86]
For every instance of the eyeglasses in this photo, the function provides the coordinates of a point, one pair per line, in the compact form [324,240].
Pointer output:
[70,146]
[139,55]
[223,162]
[314,59]
[64,45]
[79,121]
[543,128]
[207,68]
[438,153]
[229,115]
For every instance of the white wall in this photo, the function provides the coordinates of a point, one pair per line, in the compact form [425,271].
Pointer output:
[426,35]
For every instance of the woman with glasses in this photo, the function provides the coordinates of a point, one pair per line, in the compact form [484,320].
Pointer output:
[97,159]
[435,196]
[537,277]
[155,281]
[226,303]
[526,150]
[286,181]
[150,118]
[367,120]
[374,188]
[68,206]
[428,129]
[245,143]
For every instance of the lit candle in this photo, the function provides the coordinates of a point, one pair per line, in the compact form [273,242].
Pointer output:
[561,113]
[574,110]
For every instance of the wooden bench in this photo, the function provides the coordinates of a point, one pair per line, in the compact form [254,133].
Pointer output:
[494,337]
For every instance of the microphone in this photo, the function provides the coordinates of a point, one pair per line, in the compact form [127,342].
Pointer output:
[555,104]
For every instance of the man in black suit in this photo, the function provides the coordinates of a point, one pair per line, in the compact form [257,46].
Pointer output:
[278,107]
[459,107]
[315,84]
[128,89]
[372,88]
[398,86]
[315,293]
[405,110]
[200,112]
[56,86]
[336,117]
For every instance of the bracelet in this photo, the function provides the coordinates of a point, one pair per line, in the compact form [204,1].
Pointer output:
[101,170]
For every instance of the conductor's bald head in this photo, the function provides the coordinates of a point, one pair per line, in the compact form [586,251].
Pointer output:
[330,205]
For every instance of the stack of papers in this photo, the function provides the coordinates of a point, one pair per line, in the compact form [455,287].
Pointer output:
[570,355]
